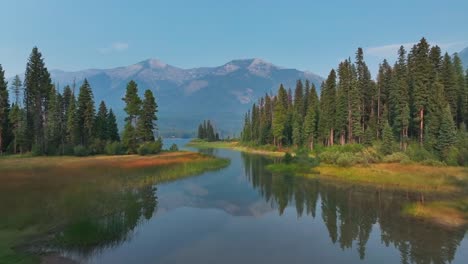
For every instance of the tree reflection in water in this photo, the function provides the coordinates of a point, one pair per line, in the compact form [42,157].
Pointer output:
[350,212]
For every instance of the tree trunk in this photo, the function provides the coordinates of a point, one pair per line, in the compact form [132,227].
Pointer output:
[330,143]
[421,126]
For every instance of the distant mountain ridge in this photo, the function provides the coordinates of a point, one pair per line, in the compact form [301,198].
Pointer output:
[187,96]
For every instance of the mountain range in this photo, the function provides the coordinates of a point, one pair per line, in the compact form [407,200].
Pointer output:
[185,97]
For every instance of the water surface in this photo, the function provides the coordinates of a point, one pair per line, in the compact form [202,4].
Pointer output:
[244,214]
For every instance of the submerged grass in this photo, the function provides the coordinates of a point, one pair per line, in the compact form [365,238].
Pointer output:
[452,213]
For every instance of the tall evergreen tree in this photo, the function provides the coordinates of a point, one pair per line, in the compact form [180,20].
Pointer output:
[420,67]
[461,92]
[101,125]
[37,85]
[4,111]
[447,133]
[132,108]
[54,122]
[16,87]
[280,109]
[112,130]
[328,109]
[72,132]
[85,114]
[146,122]
[448,78]
[400,98]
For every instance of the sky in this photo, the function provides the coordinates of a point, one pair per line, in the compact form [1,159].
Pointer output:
[308,35]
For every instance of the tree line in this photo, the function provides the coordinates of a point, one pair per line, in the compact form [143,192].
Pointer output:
[44,121]
[422,98]
[207,132]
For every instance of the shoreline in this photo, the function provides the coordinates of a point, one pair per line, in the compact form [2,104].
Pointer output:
[418,178]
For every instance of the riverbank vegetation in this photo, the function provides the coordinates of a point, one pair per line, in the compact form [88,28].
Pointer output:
[43,120]
[83,203]
[418,106]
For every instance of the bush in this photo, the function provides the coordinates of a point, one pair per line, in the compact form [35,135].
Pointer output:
[453,157]
[329,157]
[81,151]
[433,162]
[396,157]
[174,147]
[149,148]
[97,146]
[418,153]
[346,159]
[287,158]
[115,148]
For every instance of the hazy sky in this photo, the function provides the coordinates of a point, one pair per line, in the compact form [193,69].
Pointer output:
[308,35]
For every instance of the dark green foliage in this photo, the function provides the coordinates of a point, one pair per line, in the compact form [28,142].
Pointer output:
[447,133]
[4,112]
[149,148]
[115,148]
[387,140]
[81,151]
[37,85]
[112,130]
[51,122]
[287,158]
[407,104]
[101,125]
[173,147]
[146,122]
[206,131]
[85,114]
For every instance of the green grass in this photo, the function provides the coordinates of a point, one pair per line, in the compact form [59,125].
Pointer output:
[405,177]
[262,150]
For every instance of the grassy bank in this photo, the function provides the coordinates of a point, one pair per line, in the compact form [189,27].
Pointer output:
[411,177]
[234,145]
[40,196]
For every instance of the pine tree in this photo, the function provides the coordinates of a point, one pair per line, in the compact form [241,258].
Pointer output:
[16,121]
[101,126]
[365,89]
[72,132]
[420,68]
[112,130]
[37,85]
[387,139]
[16,87]
[448,78]
[4,111]
[146,122]
[447,133]
[280,109]
[383,96]
[298,114]
[310,124]
[461,92]
[400,98]
[53,121]
[85,114]
[132,108]
[328,109]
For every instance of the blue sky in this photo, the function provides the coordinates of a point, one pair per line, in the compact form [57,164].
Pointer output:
[307,35]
